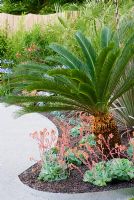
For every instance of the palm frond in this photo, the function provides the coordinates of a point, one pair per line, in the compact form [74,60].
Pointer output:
[106,36]
[124,110]
[123,60]
[124,87]
[49,108]
[73,61]
[88,52]
[91,84]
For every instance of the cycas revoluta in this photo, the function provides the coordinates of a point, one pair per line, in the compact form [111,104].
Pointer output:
[90,84]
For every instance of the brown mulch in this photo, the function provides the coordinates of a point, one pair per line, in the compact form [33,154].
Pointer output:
[74,183]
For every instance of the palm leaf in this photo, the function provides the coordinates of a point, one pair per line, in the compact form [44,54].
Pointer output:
[106,36]
[88,52]
[105,73]
[123,60]
[128,83]
[73,61]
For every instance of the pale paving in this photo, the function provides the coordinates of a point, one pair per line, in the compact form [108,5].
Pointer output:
[16,147]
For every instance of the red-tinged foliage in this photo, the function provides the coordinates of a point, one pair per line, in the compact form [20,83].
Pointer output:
[45,139]
[88,154]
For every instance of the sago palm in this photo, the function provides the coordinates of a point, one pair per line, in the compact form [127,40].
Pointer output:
[90,84]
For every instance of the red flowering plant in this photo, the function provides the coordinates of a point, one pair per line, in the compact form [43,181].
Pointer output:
[28,53]
[45,139]
[88,152]
[52,153]
[103,162]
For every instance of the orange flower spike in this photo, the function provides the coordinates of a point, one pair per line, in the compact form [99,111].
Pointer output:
[89,148]
[46,133]
[93,163]
[44,130]
[53,138]
[111,135]
[41,133]
[34,135]
[53,132]
[18,55]
[28,49]
[81,145]
[122,147]
[100,136]
[116,145]
[86,155]
[99,141]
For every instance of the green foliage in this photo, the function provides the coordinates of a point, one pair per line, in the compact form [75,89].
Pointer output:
[90,139]
[124,110]
[59,115]
[91,18]
[30,45]
[33,6]
[104,172]
[33,45]
[130,150]
[89,84]
[121,169]
[52,169]
[72,122]
[98,175]
[52,6]
[124,106]
[3,44]
[75,131]
[71,158]
[21,6]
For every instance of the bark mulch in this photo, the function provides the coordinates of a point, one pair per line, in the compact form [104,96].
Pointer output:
[73,184]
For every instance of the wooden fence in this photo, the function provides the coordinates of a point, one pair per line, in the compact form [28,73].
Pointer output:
[13,22]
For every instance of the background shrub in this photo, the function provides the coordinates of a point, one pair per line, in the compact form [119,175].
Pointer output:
[3,44]
[90,20]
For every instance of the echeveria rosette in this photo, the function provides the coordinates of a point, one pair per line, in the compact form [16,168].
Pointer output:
[104,172]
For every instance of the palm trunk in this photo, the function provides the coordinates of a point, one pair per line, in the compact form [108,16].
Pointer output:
[105,125]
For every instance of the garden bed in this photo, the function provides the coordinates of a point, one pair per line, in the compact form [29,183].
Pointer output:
[73,184]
